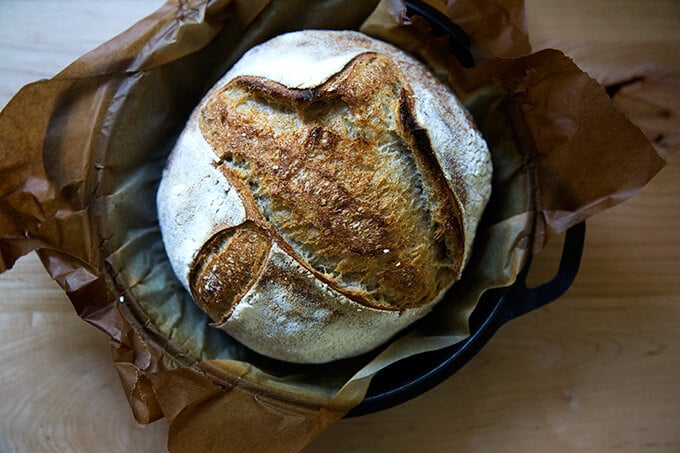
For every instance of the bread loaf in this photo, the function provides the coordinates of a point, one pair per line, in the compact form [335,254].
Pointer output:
[323,196]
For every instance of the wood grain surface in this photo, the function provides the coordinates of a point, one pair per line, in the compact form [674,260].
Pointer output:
[598,370]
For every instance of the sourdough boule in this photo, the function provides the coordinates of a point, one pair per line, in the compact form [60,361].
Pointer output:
[323,196]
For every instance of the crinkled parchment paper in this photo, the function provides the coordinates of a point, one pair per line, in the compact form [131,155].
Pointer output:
[81,156]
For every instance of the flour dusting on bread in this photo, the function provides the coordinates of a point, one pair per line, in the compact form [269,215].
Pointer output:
[355,181]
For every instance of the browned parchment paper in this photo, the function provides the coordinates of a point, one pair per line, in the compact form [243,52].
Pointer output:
[81,156]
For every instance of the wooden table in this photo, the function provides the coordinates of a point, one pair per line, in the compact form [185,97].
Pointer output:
[597,370]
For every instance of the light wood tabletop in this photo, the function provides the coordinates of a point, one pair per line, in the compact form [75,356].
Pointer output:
[597,370]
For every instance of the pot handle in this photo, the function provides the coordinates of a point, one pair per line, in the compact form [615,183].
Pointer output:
[459,42]
[524,299]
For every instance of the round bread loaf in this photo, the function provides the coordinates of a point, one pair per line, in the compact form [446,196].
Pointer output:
[323,196]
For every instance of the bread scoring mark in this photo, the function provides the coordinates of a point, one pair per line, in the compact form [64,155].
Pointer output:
[447,217]
[345,178]
[227,266]
[276,90]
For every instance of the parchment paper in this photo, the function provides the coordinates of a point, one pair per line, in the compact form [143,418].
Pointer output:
[81,156]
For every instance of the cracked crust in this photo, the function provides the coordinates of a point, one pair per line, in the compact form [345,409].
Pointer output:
[354,180]
[344,177]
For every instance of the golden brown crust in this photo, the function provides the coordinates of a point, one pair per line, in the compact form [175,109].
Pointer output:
[343,177]
[226,267]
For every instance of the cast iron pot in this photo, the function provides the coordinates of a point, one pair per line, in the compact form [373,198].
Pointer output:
[415,375]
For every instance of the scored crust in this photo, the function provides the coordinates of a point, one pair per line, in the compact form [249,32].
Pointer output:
[338,176]
[354,181]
